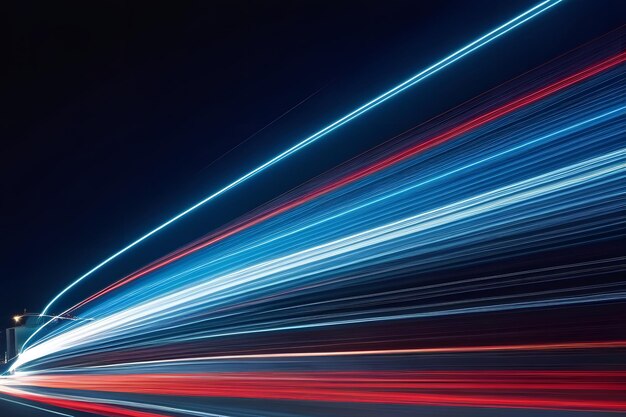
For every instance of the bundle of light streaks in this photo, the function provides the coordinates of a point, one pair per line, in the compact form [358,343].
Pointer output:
[391,281]
[379,165]
[476,44]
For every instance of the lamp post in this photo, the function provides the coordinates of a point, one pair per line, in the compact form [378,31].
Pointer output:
[18,318]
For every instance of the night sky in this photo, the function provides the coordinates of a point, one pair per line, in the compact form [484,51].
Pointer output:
[118,115]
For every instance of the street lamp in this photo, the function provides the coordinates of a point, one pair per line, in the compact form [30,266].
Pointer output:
[18,318]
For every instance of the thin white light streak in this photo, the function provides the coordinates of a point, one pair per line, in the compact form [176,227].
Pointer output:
[433,69]
[517,193]
[35,407]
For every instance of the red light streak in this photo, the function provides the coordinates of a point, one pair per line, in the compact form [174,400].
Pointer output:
[446,136]
[558,390]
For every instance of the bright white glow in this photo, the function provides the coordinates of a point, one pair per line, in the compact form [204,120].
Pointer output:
[289,267]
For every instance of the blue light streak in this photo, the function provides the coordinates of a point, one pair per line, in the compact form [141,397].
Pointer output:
[563,164]
[433,69]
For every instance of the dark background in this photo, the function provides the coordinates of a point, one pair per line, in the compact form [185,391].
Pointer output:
[117,115]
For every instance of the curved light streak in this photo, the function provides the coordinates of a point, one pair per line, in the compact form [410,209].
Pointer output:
[433,69]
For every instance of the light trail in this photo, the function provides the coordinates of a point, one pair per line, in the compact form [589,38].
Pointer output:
[451,134]
[618,344]
[480,273]
[524,191]
[82,406]
[547,390]
[433,69]
[466,127]
[58,413]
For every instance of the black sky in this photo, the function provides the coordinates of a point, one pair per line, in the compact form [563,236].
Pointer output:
[112,112]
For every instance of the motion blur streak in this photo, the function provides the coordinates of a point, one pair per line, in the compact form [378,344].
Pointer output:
[378,166]
[471,267]
[422,75]
[462,349]
[81,405]
[35,407]
[579,390]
